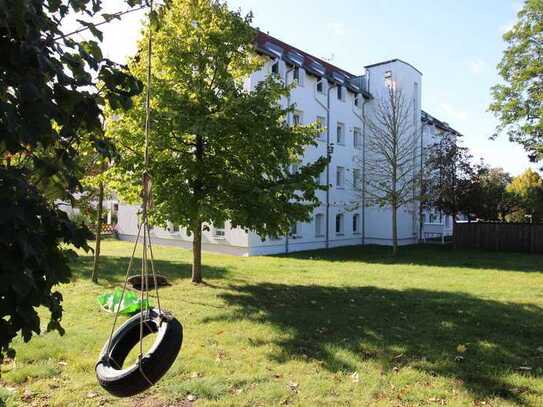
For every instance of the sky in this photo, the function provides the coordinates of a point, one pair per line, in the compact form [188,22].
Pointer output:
[456,44]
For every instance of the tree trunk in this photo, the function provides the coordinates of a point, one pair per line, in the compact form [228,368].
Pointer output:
[394,230]
[94,276]
[197,254]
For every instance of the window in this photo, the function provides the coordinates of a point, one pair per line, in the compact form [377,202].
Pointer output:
[218,230]
[321,123]
[297,73]
[340,93]
[447,221]
[339,224]
[295,230]
[320,85]
[340,177]
[388,79]
[176,228]
[297,118]
[319,225]
[357,137]
[340,133]
[356,223]
[357,100]
[275,67]
[356,178]
[294,168]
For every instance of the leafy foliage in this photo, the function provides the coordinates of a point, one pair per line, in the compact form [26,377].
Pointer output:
[32,261]
[50,105]
[518,103]
[219,150]
[527,192]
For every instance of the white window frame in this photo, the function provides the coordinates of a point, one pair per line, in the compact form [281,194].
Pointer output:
[341,230]
[321,122]
[357,141]
[341,126]
[341,93]
[322,82]
[295,232]
[300,115]
[340,177]
[356,222]
[319,225]
[301,73]
[357,177]
[275,62]
[218,232]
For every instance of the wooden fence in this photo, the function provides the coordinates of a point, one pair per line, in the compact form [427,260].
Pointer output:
[518,237]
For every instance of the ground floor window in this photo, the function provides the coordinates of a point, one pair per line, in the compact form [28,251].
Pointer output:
[356,223]
[219,230]
[319,225]
[339,224]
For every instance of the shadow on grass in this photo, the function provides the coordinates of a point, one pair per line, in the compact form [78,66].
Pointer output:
[113,269]
[416,328]
[427,255]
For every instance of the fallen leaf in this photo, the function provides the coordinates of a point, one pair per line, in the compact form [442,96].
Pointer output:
[355,378]
[292,386]
[91,395]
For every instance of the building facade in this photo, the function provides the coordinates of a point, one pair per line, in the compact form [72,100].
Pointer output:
[338,101]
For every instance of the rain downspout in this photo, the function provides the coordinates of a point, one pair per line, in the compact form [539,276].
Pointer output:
[363,126]
[288,124]
[328,156]
[364,165]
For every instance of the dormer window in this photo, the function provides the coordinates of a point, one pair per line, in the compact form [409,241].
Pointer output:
[275,67]
[388,79]
[297,73]
[320,85]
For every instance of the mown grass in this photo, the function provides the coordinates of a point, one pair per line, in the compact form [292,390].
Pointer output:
[349,326]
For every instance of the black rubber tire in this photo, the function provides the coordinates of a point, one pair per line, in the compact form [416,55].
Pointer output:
[130,380]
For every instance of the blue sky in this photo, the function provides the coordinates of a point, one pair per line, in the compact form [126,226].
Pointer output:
[455,43]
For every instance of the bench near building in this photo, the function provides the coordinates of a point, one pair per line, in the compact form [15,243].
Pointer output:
[335,98]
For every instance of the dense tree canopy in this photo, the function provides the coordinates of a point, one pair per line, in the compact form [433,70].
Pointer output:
[219,151]
[49,105]
[526,190]
[518,101]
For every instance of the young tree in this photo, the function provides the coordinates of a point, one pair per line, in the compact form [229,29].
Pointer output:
[527,192]
[392,175]
[218,150]
[49,103]
[450,177]
[517,102]
[495,202]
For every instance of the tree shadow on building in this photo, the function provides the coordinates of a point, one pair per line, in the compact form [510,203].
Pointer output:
[417,328]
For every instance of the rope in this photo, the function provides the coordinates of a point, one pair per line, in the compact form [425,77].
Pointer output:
[144,273]
[124,288]
[144,283]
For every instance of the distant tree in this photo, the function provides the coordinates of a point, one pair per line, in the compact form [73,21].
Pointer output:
[49,103]
[495,202]
[219,151]
[517,101]
[527,192]
[450,178]
[392,175]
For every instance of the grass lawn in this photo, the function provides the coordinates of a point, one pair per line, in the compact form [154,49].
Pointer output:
[346,327]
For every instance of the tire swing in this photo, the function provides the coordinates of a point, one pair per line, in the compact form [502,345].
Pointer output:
[151,366]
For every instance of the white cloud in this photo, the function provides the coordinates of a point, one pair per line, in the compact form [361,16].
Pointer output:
[453,113]
[337,28]
[477,66]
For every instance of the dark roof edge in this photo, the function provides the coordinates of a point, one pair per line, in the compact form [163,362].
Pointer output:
[425,117]
[390,61]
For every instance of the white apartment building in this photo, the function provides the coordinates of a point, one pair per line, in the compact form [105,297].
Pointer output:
[337,99]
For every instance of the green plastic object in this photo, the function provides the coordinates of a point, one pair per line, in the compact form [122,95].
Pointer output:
[111,302]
